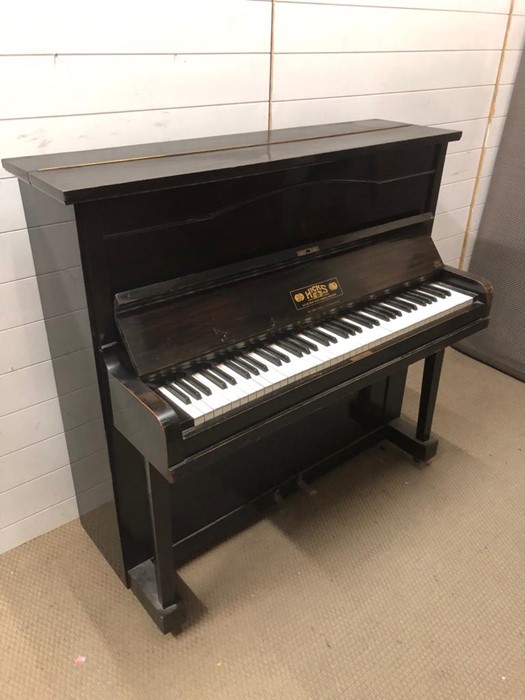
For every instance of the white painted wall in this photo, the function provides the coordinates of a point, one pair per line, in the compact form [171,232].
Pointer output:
[115,73]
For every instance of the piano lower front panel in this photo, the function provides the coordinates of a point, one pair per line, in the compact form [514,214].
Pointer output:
[235,491]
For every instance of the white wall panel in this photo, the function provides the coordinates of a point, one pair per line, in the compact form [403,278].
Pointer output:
[47,86]
[450,248]
[340,74]
[11,211]
[19,303]
[16,260]
[29,426]
[455,195]
[516,37]
[199,26]
[496,6]
[58,134]
[495,131]
[318,28]
[23,346]
[428,107]
[488,162]
[451,223]
[473,134]
[460,166]
[511,63]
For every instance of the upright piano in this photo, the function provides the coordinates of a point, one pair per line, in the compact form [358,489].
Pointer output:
[254,302]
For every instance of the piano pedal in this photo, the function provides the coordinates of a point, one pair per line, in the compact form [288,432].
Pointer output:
[309,490]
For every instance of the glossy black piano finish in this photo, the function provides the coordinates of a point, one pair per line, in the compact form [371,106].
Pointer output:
[193,250]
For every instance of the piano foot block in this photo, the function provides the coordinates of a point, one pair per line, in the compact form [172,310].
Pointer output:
[401,433]
[144,586]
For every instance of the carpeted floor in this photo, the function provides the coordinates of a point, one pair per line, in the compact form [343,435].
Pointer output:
[385,583]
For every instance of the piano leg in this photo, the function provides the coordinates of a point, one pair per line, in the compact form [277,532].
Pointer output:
[422,446]
[155,581]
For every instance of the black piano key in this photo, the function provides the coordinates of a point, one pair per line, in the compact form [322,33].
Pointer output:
[179,394]
[199,386]
[303,344]
[432,297]
[377,307]
[419,297]
[445,291]
[372,320]
[433,290]
[341,332]
[237,369]
[299,344]
[245,364]
[268,356]
[413,299]
[257,363]
[324,334]
[280,355]
[223,375]
[401,305]
[308,343]
[407,302]
[214,379]
[348,327]
[378,314]
[367,323]
[289,347]
[188,389]
[389,309]
[317,338]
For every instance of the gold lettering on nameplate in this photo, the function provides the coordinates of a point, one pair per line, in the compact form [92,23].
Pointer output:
[316,293]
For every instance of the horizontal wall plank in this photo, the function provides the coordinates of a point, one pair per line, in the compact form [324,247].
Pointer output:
[32,425]
[450,248]
[451,223]
[432,107]
[477,213]
[19,303]
[29,344]
[340,74]
[511,64]
[495,132]
[38,524]
[471,240]
[16,260]
[12,212]
[482,190]
[516,37]
[455,195]
[503,100]
[199,26]
[473,135]
[460,166]
[308,28]
[57,486]
[26,387]
[35,384]
[488,162]
[62,292]
[37,423]
[496,6]
[466,262]
[57,134]
[23,346]
[36,86]
[43,457]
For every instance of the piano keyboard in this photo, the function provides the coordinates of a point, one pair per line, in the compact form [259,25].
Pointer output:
[217,389]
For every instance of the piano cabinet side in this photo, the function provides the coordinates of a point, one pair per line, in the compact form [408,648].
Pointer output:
[78,369]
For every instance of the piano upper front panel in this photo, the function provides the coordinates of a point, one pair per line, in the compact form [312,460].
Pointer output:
[164,335]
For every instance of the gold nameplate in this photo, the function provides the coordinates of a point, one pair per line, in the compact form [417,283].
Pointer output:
[316,293]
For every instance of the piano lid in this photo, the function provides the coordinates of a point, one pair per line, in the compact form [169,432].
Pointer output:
[88,175]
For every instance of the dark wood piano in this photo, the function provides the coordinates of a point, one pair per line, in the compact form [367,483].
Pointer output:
[254,303]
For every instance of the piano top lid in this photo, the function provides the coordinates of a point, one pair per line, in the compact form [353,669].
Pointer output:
[108,172]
